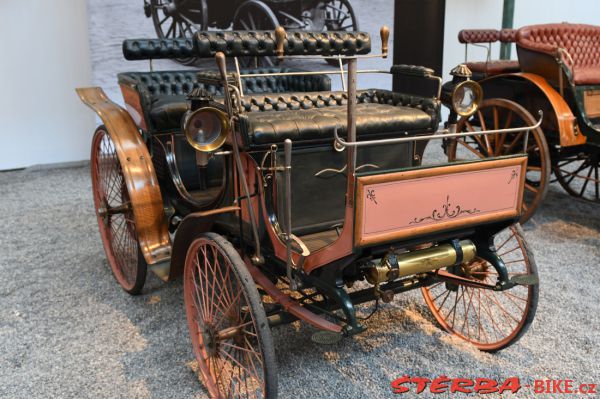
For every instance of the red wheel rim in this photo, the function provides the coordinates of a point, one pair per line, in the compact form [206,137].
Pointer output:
[113,211]
[490,320]
[222,326]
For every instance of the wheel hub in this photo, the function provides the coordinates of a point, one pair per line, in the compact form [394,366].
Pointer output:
[170,9]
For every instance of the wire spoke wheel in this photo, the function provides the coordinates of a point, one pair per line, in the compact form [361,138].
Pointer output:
[179,19]
[115,214]
[490,320]
[501,114]
[339,16]
[255,15]
[579,175]
[228,326]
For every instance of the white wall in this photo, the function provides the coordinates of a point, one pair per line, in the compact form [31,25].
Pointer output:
[45,55]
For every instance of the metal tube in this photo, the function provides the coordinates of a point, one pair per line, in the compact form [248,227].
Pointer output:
[221,64]
[508,16]
[429,259]
[287,150]
[352,68]
[437,136]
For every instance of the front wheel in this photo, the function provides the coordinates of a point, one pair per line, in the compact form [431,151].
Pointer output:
[227,322]
[490,320]
[114,212]
[496,114]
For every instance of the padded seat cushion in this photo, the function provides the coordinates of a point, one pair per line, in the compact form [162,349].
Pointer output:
[586,75]
[313,116]
[166,111]
[318,124]
[494,67]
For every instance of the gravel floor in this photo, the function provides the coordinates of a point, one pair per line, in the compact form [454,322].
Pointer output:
[67,330]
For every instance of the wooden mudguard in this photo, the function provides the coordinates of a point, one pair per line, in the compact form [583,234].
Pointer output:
[139,174]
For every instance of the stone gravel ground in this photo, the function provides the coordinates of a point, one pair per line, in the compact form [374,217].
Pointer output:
[68,331]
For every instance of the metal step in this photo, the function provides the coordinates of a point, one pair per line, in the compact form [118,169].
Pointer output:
[525,279]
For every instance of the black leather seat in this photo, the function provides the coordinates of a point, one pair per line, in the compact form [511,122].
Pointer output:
[163,94]
[313,117]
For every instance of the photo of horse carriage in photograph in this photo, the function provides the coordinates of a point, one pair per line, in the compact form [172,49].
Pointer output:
[277,199]
[558,72]
[182,18]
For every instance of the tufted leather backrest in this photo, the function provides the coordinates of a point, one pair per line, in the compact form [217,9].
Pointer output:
[206,44]
[478,36]
[508,35]
[581,41]
[161,83]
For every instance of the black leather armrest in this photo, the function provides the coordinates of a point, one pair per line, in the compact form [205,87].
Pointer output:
[412,70]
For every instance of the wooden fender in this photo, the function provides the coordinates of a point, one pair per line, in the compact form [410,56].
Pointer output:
[568,129]
[138,171]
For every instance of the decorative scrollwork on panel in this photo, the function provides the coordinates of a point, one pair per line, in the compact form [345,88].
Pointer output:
[449,211]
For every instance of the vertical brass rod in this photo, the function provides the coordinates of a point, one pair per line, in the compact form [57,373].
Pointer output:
[221,64]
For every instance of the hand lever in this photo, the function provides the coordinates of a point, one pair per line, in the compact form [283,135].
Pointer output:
[384,32]
[280,37]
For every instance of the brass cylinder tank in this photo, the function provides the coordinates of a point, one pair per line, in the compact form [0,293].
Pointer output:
[395,265]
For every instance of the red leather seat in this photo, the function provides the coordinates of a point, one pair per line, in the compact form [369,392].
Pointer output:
[581,42]
[494,67]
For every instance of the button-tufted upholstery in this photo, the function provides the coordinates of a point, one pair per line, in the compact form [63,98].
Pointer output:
[206,44]
[478,36]
[164,93]
[312,117]
[582,42]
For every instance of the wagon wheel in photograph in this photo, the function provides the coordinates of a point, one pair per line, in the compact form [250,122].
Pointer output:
[499,114]
[490,320]
[230,334]
[255,15]
[578,174]
[115,214]
[339,16]
[178,18]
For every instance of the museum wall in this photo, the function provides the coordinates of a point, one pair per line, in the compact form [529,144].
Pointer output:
[45,56]
[72,43]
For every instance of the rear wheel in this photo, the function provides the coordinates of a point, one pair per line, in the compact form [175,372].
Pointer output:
[579,174]
[178,19]
[340,16]
[227,322]
[490,320]
[115,214]
[255,15]
[500,114]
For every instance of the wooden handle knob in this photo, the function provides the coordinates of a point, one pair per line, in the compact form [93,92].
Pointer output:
[280,36]
[384,32]
[222,65]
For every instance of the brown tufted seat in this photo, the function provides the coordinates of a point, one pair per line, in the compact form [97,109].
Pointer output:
[313,117]
[484,69]
[538,47]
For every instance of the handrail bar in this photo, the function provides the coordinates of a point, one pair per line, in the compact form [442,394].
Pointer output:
[440,134]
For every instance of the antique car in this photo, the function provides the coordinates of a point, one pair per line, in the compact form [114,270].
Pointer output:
[558,71]
[182,18]
[295,205]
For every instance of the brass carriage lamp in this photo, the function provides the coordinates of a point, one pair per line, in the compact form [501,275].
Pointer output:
[466,93]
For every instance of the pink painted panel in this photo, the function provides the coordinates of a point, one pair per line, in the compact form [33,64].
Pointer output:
[407,207]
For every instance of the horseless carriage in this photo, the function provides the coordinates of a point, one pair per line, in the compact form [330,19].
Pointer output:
[182,18]
[280,200]
[558,71]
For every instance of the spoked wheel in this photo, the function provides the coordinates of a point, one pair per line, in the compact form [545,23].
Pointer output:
[255,15]
[490,320]
[578,174]
[115,214]
[179,18]
[228,326]
[500,114]
[339,16]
